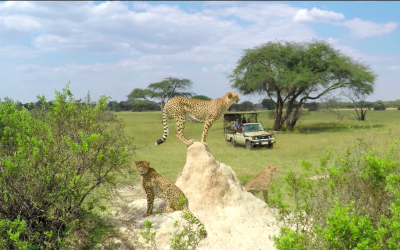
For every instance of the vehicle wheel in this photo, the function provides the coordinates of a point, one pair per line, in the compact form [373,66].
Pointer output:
[249,146]
[233,143]
[270,145]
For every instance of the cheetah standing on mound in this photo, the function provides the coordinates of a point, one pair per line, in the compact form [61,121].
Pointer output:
[261,182]
[156,185]
[208,111]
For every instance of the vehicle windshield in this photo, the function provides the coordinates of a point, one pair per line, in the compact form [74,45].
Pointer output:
[252,127]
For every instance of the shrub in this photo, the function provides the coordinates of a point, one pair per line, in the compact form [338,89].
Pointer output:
[379,106]
[52,160]
[313,108]
[354,204]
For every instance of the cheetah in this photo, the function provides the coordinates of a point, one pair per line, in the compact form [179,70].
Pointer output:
[156,185]
[261,182]
[200,110]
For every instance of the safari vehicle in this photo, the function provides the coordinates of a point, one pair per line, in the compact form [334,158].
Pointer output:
[251,135]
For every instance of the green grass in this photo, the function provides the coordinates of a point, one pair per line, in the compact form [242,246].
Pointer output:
[316,133]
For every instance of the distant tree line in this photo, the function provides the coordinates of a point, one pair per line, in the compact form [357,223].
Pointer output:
[266,104]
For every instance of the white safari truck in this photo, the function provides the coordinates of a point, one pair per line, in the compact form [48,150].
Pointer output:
[251,135]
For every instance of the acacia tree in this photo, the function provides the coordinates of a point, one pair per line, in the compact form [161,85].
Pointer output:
[161,92]
[291,73]
[357,94]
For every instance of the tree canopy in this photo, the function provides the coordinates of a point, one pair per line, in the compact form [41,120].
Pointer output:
[291,73]
[161,92]
[202,97]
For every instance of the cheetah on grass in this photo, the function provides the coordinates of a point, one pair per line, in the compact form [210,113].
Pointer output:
[261,182]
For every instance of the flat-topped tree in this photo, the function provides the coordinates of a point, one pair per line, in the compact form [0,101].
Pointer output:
[292,73]
[161,92]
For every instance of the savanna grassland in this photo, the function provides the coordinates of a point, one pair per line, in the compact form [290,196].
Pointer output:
[315,133]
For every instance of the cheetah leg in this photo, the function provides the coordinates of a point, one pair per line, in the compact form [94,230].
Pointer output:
[207,125]
[150,201]
[265,194]
[168,208]
[180,126]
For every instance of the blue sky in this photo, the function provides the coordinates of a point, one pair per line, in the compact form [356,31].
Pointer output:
[110,48]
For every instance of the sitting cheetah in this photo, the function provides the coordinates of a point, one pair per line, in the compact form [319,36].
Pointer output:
[208,111]
[261,182]
[156,185]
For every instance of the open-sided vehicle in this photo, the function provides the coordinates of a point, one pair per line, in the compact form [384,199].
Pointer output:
[251,134]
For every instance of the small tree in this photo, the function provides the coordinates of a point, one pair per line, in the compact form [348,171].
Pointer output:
[113,105]
[268,104]
[140,105]
[313,106]
[52,159]
[161,92]
[234,107]
[357,94]
[201,97]
[246,106]
[124,105]
[379,105]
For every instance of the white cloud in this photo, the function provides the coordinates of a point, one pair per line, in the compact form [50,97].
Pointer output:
[223,67]
[365,57]
[317,15]
[19,22]
[17,51]
[221,3]
[28,67]
[17,6]
[394,68]
[111,48]
[362,29]
[256,12]
[332,41]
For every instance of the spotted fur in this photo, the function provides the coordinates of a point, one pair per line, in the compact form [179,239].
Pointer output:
[156,185]
[261,182]
[208,111]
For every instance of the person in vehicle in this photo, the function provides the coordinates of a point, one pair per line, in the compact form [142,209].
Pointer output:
[244,120]
[248,120]
[237,126]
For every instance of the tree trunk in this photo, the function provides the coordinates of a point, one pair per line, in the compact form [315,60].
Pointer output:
[278,114]
[295,117]
[362,114]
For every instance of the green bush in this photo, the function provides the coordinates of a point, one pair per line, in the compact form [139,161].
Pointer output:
[379,105]
[352,202]
[52,159]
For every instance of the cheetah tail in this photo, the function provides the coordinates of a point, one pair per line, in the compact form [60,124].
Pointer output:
[165,123]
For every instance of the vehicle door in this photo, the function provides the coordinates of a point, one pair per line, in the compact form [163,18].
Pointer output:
[239,137]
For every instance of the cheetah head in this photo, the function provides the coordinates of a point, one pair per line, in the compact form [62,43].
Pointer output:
[231,98]
[271,168]
[142,167]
